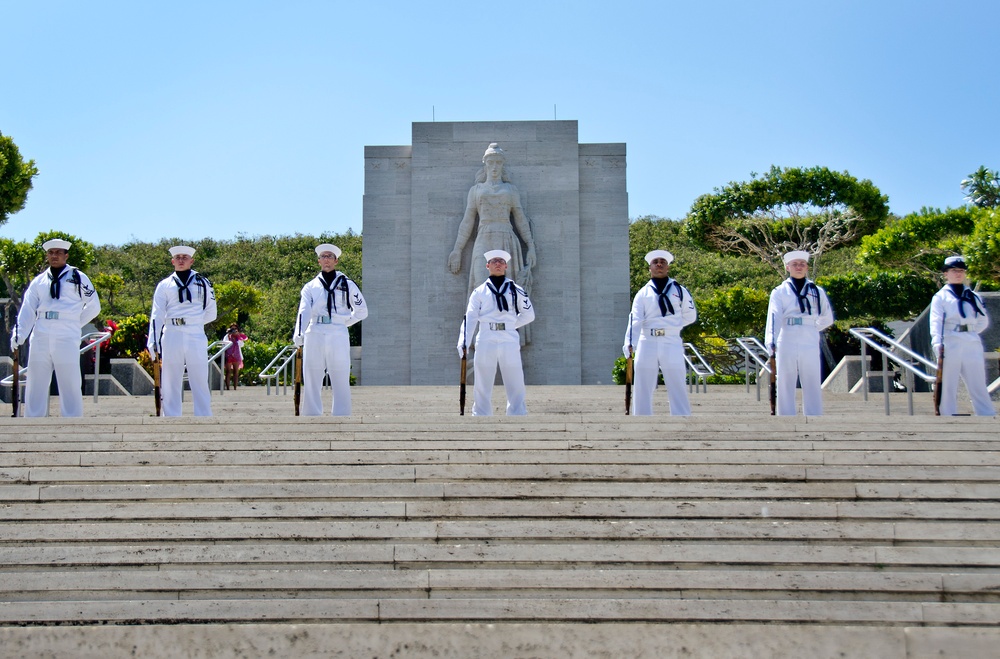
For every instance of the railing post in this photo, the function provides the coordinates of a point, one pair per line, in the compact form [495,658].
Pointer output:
[909,390]
[97,371]
[864,370]
[885,381]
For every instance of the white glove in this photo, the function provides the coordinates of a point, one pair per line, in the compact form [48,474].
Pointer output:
[460,351]
[298,340]
[625,351]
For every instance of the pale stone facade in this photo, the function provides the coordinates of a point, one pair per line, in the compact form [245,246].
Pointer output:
[415,197]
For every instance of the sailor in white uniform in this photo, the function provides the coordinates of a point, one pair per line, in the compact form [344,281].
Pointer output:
[498,306]
[958,317]
[796,313]
[330,303]
[183,304]
[57,304]
[660,310]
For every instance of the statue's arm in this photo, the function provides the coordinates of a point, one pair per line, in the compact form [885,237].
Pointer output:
[464,232]
[523,228]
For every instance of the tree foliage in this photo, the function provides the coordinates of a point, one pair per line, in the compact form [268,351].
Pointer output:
[920,241]
[883,295]
[812,209]
[15,178]
[982,188]
[983,248]
[257,279]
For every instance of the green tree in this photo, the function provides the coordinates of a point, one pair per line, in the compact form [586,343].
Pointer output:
[982,188]
[235,302]
[15,178]
[983,248]
[920,241]
[812,209]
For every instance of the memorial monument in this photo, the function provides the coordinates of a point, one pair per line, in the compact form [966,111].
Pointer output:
[559,207]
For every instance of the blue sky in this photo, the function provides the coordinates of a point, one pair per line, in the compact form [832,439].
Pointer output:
[208,119]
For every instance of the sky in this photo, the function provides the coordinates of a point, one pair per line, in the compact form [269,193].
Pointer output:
[185,119]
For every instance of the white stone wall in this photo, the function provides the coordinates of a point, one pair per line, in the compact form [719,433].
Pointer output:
[576,199]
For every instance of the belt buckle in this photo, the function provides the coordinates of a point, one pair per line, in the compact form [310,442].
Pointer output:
[962,328]
[178,321]
[658,332]
[794,321]
[323,320]
[498,326]
[51,315]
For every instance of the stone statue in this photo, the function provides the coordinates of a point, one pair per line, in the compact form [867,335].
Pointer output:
[495,200]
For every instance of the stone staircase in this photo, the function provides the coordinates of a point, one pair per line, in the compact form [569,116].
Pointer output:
[575,531]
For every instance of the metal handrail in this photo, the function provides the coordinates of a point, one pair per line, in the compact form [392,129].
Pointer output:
[890,350]
[700,369]
[218,359]
[95,338]
[754,349]
[283,366]
[222,345]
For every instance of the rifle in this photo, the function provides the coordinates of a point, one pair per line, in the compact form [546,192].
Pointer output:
[628,382]
[298,379]
[15,390]
[940,372]
[461,377]
[157,361]
[772,387]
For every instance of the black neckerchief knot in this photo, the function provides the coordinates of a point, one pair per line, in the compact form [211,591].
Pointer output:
[663,286]
[966,296]
[55,281]
[802,289]
[500,294]
[183,278]
[332,281]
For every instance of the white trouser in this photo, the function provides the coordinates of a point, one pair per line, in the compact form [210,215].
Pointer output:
[799,361]
[963,356]
[656,354]
[506,355]
[326,351]
[185,348]
[59,353]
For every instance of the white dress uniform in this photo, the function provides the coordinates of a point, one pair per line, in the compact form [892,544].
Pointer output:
[498,312]
[177,333]
[324,315]
[794,322]
[654,330]
[53,312]
[957,320]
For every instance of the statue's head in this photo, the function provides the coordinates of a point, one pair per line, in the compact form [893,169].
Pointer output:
[494,152]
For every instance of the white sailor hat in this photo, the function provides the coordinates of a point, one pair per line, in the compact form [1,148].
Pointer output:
[56,243]
[795,255]
[182,249]
[659,254]
[497,254]
[955,262]
[327,247]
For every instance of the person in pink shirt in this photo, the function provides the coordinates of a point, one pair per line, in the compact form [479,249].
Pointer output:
[234,354]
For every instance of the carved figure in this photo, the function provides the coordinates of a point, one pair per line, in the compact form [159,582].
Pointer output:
[495,201]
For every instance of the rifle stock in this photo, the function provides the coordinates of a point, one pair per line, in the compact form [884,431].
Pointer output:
[157,402]
[628,383]
[298,380]
[15,389]
[772,386]
[937,381]
[461,385]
